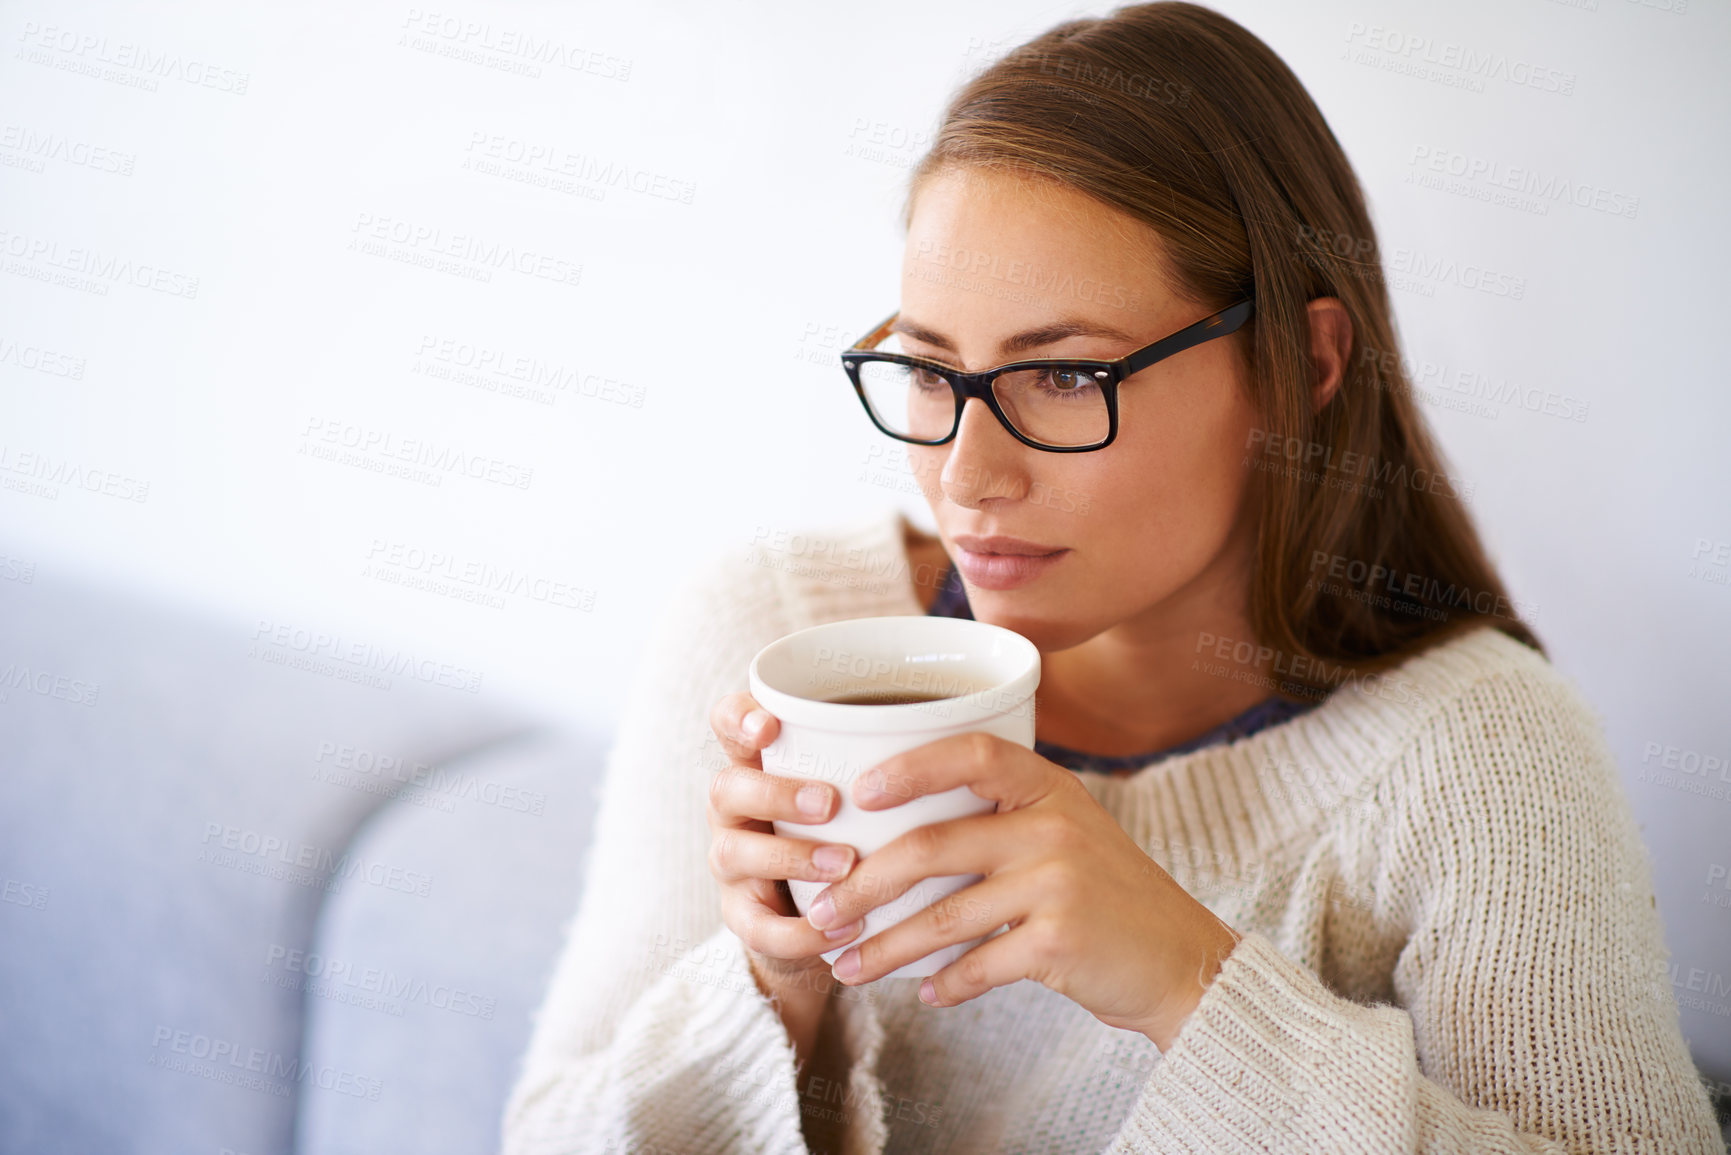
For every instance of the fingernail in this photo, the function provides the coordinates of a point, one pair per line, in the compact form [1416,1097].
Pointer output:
[813,801]
[832,860]
[928,992]
[842,933]
[822,912]
[754,723]
[847,966]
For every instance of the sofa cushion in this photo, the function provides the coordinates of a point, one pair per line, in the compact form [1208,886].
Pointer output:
[179,795]
[429,997]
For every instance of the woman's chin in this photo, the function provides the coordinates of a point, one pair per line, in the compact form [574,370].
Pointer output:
[1050,631]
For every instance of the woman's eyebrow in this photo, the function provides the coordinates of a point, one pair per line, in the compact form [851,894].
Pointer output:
[1020,342]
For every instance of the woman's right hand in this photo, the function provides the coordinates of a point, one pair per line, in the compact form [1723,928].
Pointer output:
[748,859]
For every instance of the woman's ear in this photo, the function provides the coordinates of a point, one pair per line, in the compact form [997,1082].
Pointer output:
[1330,346]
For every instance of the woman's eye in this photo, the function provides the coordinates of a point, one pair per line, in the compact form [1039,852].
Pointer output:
[1074,386]
[1068,380]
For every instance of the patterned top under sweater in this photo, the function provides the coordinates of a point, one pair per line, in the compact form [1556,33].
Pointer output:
[952,602]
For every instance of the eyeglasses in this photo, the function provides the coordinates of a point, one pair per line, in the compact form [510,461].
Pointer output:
[1063,405]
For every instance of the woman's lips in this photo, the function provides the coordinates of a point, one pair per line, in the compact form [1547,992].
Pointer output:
[1000,571]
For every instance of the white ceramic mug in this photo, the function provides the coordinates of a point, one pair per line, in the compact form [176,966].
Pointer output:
[986,676]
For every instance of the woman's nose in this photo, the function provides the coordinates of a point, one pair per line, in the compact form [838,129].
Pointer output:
[983,462]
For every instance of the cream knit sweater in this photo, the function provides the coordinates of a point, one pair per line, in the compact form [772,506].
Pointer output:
[1450,938]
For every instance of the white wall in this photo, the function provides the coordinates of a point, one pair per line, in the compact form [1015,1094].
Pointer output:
[255,153]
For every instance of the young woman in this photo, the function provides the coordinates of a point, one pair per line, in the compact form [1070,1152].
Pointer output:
[1315,851]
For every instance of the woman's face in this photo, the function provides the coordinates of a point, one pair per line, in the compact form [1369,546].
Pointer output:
[1153,528]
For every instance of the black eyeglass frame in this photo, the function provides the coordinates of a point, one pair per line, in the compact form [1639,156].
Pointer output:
[1106,374]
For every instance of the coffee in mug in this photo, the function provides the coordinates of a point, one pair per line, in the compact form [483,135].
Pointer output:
[885,698]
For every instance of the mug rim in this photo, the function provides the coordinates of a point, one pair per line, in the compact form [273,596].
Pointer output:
[1002,697]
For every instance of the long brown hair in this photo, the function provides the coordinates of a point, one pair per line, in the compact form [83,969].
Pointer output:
[1183,119]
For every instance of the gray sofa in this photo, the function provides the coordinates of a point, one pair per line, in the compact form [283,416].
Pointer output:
[254,900]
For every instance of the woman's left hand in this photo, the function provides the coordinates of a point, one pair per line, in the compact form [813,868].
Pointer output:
[1091,916]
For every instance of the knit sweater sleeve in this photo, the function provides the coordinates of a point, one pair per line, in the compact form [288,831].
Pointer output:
[1527,1015]
[654,1035]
